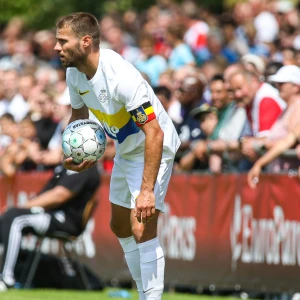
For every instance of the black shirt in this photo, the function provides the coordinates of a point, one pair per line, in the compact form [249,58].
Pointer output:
[83,185]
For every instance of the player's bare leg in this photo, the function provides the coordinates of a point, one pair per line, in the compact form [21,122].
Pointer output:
[152,259]
[149,273]
[121,227]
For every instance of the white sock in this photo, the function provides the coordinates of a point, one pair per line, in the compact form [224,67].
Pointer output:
[132,257]
[152,269]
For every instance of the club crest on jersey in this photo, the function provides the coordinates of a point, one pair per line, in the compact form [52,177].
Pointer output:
[140,115]
[103,95]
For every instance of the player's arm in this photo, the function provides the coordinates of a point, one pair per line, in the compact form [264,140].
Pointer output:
[153,154]
[79,109]
[132,91]
[77,114]
[145,118]
[154,136]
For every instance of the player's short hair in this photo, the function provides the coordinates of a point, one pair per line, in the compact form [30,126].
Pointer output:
[82,24]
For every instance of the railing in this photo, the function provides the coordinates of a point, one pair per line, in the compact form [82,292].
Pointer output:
[215,230]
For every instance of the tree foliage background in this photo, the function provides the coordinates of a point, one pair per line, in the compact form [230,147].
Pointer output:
[44,13]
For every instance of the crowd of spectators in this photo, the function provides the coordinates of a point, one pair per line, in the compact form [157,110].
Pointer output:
[230,82]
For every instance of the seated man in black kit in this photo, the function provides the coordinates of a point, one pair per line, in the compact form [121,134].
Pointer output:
[58,207]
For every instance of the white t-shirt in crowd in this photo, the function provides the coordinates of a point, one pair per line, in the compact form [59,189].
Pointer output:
[266,20]
[117,89]
[17,107]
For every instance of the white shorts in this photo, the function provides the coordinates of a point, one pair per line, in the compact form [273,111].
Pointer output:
[126,181]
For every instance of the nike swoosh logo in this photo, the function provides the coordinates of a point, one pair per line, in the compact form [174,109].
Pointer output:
[83,93]
[148,290]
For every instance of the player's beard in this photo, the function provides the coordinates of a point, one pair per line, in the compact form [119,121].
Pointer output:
[74,58]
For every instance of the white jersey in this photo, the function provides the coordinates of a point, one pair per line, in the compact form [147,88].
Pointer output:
[122,101]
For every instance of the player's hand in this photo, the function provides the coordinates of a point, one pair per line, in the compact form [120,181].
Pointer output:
[145,206]
[253,176]
[85,165]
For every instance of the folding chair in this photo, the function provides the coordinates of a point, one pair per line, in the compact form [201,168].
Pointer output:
[64,240]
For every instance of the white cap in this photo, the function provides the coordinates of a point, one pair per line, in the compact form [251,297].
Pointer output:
[257,61]
[64,99]
[290,73]
[284,6]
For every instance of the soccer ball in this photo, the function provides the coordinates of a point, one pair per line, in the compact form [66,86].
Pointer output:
[84,140]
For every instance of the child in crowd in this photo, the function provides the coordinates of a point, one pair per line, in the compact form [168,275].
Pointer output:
[208,120]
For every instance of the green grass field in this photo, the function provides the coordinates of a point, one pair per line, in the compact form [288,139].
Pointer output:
[82,295]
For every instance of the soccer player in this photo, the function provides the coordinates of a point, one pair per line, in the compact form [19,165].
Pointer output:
[100,80]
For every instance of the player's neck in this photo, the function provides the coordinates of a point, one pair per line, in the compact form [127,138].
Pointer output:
[90,66]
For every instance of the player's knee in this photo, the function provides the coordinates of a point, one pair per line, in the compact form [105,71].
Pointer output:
[137,231]
[144,232]
[138,236]
[119,229]
[142,236]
